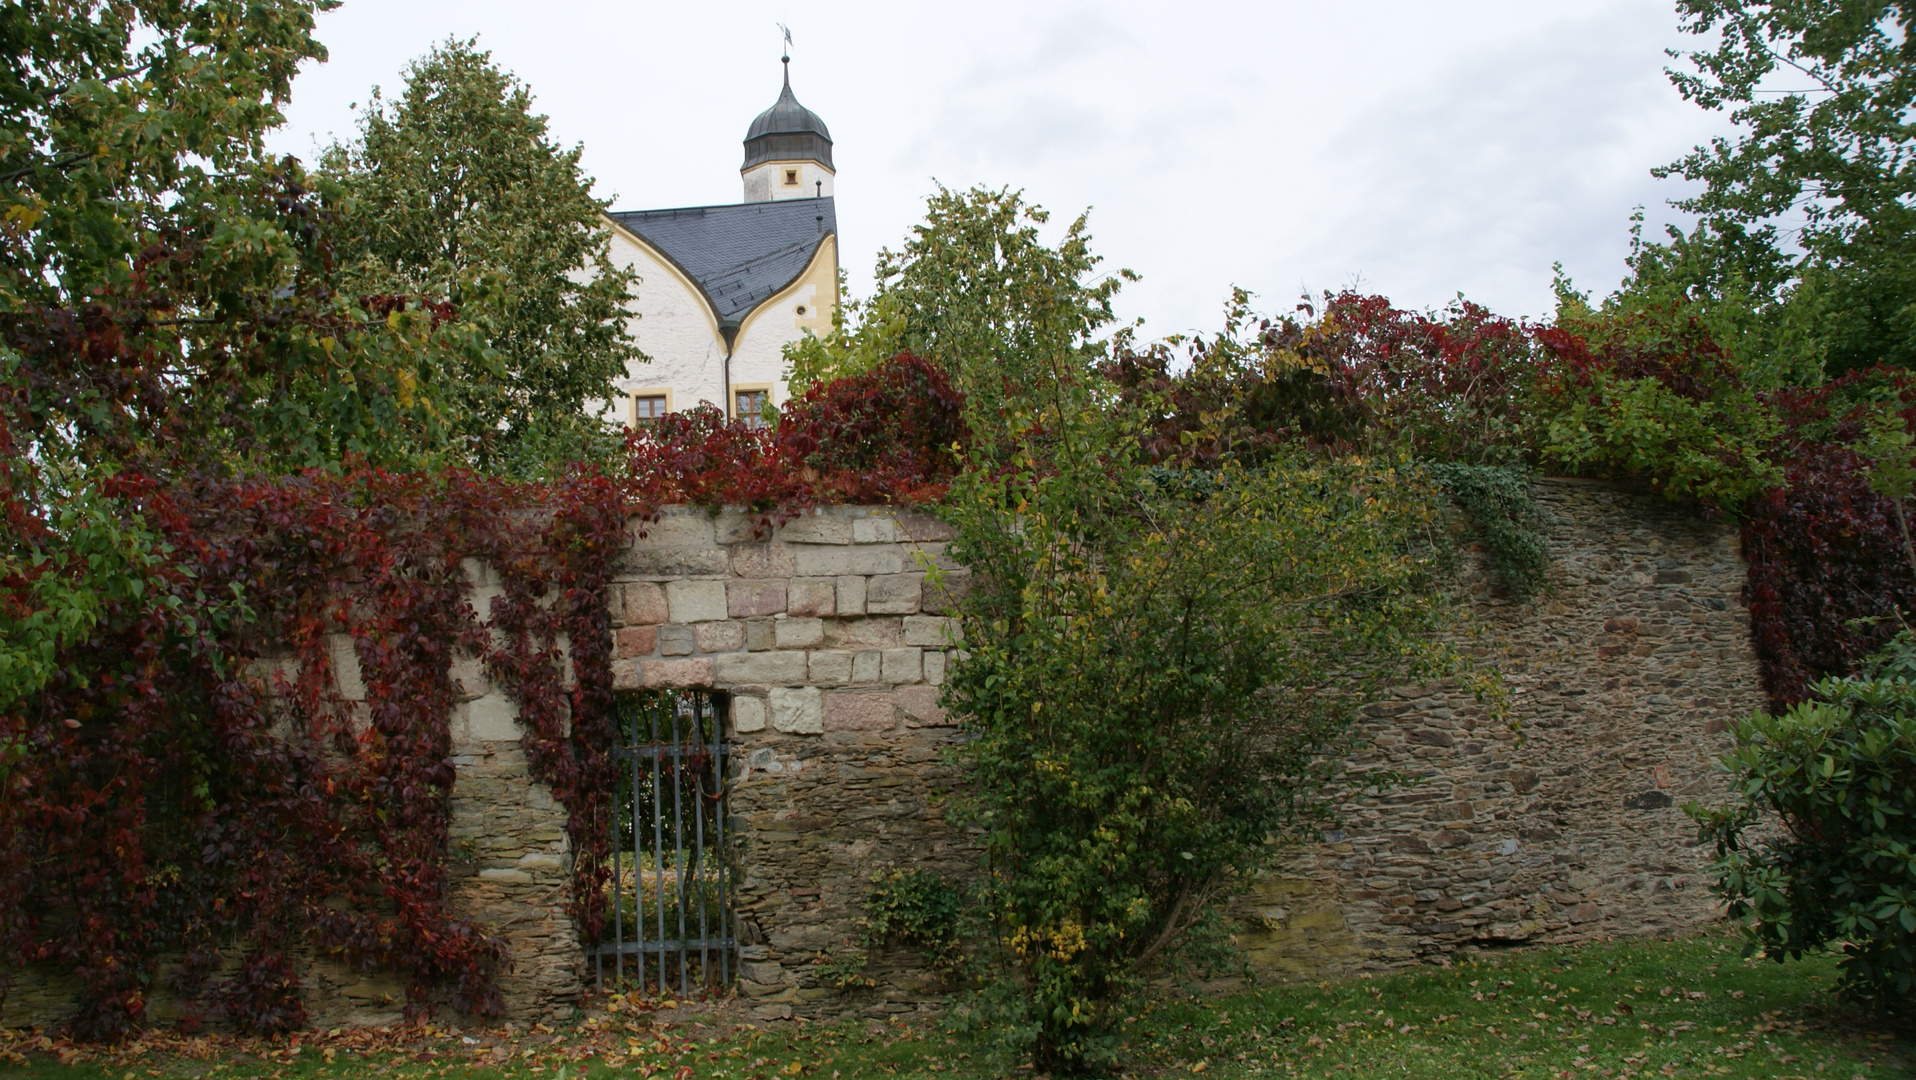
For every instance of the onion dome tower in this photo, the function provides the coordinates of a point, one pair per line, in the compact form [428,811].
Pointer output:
[788,151]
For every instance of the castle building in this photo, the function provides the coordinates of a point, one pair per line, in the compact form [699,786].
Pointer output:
[722,289]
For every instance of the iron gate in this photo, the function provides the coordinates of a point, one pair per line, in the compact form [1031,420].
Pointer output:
[670,912]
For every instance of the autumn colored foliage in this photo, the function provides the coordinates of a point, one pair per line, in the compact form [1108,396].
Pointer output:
[191,779]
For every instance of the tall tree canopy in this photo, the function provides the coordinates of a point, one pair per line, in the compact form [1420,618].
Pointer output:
[1805,251]
[455,190]
[977,290]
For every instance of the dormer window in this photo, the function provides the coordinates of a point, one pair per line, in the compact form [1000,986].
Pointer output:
[791,177]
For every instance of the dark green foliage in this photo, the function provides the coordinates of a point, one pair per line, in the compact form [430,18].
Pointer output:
[918,908]
[1838,774]
[1508,520]
[456,192]
[1821,93]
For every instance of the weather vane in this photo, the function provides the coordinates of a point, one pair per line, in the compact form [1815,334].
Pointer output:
[787,31]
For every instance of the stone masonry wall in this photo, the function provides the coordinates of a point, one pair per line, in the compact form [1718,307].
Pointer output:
[827,641]
[830,644]
[1568,824]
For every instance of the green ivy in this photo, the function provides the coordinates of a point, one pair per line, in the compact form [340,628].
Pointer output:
[1507,518]
[916,907]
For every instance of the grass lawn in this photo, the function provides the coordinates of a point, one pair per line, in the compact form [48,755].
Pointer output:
[1691,1008]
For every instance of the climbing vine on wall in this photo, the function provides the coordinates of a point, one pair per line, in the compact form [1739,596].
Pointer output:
[191,779]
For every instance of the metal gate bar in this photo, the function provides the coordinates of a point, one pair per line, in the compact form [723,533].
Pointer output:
[671,738]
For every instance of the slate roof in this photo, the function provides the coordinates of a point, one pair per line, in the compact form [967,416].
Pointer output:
[740,254]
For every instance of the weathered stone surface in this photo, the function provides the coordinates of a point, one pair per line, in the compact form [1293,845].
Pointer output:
[861,560]
[900,666]
[748,714]
[763,561]
[920,706]
[676,639]
[718,637]
[695,601]
[493,718]
[874,530]
[820,527]
[860,712]
[831,668]
[798,711]
[1561,825]
[635,641]
[894,594]
[851,595]
[644,603]
[935,667]
[812,596]
[779,668]
[798,633]
[926,631]
[694,672]
[757,597]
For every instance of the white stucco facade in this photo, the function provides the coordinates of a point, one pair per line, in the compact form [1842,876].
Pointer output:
[786,180]
[675,326]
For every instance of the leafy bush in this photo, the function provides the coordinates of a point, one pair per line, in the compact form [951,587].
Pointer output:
[916,907]
[1838,775]
[1157,675]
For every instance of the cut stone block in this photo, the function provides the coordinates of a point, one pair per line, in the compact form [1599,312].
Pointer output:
[894,594]
[799,711]
[677,640]
[645,604]
[696,601]
[820,561]
[745,599]
[692,674]
[779,668]
[718,637]
[762,561]
[851,595]
[831,668]
[812,597]
[636,641]
[799,633]
[920,706]
[860,712]
[901,666]
[748,713]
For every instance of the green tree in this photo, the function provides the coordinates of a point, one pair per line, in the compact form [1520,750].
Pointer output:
[167,306]
[1821,92]
[455,190]
[978,291]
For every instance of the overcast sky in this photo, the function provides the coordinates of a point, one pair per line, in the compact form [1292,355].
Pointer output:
[1418,149]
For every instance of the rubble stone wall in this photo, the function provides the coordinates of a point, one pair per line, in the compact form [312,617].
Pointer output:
[1564,823]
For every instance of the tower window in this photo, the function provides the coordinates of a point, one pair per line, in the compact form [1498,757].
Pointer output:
[647,408]
[751,407]
[791,177]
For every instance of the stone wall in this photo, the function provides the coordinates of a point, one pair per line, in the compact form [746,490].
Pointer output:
[827,642]
[1567,823]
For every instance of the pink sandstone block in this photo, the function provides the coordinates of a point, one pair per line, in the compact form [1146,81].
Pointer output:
[860,712]
[682,674]
[644,603]
[636,641]
[744,599]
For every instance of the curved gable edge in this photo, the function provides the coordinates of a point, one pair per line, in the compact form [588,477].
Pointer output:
[684,276]
[785,290]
